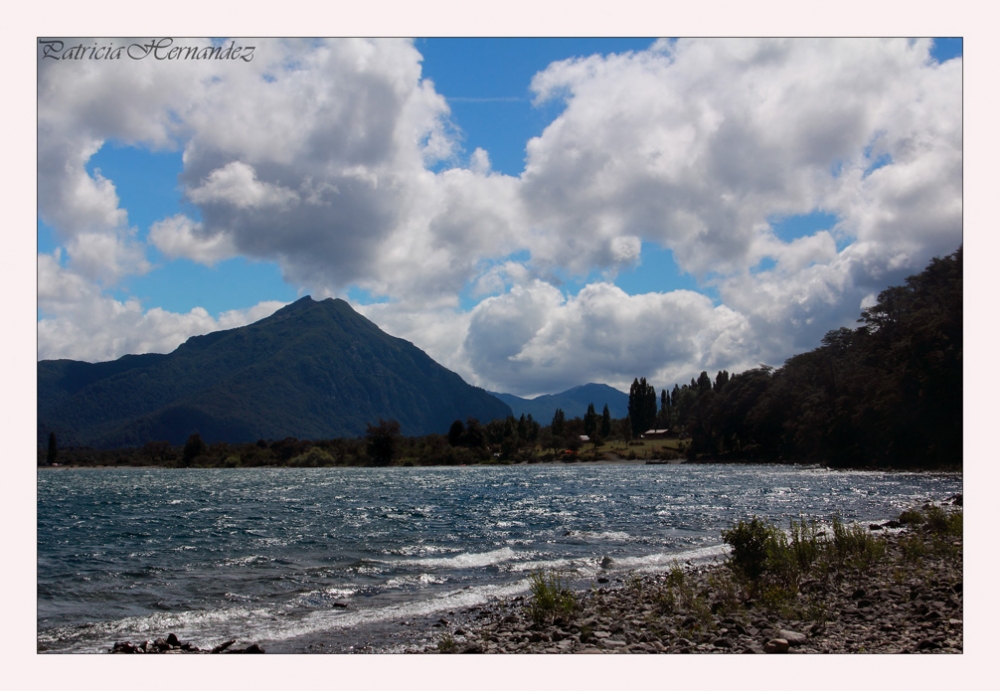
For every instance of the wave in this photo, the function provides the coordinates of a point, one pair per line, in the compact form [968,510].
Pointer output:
[467,560]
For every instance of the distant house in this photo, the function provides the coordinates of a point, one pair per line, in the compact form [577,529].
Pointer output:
[655,434]
[584,438]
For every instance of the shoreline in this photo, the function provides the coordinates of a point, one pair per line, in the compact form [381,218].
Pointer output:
[910,602]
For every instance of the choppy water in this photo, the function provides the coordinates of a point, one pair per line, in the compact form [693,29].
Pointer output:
[265,554]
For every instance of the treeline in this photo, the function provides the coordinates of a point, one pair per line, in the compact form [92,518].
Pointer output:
[885,394]
[501,440]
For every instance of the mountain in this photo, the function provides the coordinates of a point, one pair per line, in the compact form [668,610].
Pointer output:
[311,370]
[573,402]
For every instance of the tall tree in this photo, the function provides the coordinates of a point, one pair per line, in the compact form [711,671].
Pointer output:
[193,447]
[455,433]
[606,422]
[559,422]
[590,421]
[382,441]
[52,455]
[641,406]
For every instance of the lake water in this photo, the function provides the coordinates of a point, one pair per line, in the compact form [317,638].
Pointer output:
[270,555]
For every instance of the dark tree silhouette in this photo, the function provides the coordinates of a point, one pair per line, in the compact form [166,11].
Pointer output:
[52,455]
[382,439]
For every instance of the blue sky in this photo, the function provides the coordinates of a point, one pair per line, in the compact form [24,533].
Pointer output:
[658,186]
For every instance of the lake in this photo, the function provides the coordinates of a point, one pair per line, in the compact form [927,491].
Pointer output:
[280,556]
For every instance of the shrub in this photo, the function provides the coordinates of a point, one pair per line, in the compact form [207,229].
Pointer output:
[941,522]
[854,546]
[757,546]
[447,644]
[911,517]
[550,598]
[805,544]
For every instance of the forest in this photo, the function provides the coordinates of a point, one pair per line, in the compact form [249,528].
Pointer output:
[886,394]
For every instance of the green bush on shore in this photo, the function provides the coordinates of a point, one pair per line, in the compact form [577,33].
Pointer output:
[551,598]
[770,565]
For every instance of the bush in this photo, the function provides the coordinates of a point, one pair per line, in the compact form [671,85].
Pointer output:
[758,547]
[805,543]
[550,598]
[855,546]
[941,522]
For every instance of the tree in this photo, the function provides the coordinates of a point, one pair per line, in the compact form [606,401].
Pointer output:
[606,422]
[663,416]
[558,422]
[721,379]
[53,453]
[193,448]
[625,429]
[590,421]
[455,433]
[475,435]
[641,406]
[382,441]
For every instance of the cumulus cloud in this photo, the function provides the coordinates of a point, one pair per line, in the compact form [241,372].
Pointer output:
[82,323]
[317,155]
[535,340]
[696,144]
[179,236]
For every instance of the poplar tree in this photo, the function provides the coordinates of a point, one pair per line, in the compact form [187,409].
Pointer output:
[606,422]
[590,421]
[53,453]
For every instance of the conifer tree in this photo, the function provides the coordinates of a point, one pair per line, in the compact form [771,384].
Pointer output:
[558,422]
[53,453]
[606,422]
[590,421]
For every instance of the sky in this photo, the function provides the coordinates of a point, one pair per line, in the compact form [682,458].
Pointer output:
[535,214]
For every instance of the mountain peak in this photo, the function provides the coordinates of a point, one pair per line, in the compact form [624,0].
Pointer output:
[311,370]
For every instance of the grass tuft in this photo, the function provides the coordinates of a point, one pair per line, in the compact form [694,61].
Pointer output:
[550,598]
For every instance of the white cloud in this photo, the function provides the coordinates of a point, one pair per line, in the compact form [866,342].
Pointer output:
[81,323]
[236,184]
[315,156]
[697,143]
[106,257]
[179,236]
[535,340]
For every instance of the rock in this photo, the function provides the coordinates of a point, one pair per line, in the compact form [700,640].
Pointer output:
[172,639]
[606,562]
[793,637]
[776,645]
[222,646]
[339,604]
[722,643]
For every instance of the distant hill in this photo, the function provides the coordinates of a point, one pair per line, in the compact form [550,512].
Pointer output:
[573,402]
[311,370]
